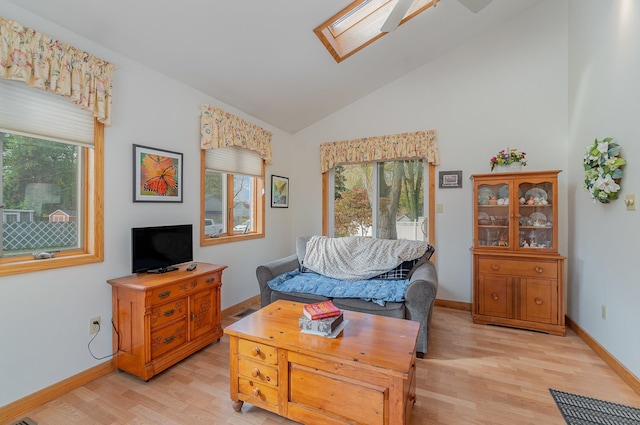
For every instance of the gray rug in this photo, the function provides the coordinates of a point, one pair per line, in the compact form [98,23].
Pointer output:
[580,410]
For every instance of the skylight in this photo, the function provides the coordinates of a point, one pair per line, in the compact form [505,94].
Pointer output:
[358,25]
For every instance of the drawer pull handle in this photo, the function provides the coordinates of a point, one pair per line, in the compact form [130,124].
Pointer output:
[538,301]
[494,296]
[169,313]
[169,339]
[255,351]
[211,280]
[495,267]
[193,315]
[255,372]
[539,269]
[164,294]
[256,392]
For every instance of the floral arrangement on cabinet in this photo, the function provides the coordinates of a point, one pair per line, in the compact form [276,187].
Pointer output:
[508,156]
[602,170]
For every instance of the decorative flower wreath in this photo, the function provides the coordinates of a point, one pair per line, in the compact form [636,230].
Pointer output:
[602,170]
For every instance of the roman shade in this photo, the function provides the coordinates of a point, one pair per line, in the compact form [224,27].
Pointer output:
[234,160]
[42,115]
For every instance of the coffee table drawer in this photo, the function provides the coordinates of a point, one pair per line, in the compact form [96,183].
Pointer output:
[344,398]
[258,372]
[257,391]
[258,352]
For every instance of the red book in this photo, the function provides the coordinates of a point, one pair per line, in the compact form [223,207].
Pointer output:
[320,310]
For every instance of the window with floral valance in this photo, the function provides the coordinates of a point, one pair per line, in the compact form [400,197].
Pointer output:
[48,64]
[52,145]
[376,186]
[234,155]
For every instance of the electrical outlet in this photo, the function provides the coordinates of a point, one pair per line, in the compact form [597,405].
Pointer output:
[604,312]
[93,327]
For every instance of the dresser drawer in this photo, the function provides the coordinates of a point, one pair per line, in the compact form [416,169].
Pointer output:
[168,338]
[258,391]
[258,372]
[168,312]
[258,352]
[182,288]
[533,268]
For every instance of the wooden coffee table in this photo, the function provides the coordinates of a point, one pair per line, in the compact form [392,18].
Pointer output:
[364,376]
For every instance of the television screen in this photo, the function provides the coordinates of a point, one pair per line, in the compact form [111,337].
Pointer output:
[159,249]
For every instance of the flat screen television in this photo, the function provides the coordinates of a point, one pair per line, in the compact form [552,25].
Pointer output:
[159,249]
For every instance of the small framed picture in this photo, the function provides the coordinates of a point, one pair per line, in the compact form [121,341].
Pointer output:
[279,192]
[157,175]
[450,179]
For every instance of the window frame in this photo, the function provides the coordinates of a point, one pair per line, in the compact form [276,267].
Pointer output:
[92,250]
[431,208]
[361,31]
[258,213]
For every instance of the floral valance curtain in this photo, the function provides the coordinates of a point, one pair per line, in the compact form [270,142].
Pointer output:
[42,62]
[419,145]
[219,129]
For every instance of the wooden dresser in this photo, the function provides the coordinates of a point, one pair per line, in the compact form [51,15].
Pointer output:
[161,319]
[518,275]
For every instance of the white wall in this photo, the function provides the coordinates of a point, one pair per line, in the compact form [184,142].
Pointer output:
[604,93]
[44,315]
[506,88]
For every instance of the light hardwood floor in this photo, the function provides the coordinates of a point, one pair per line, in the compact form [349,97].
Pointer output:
[473,374]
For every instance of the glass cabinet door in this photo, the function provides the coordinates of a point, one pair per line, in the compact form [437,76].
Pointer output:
[493,203]
[536,215]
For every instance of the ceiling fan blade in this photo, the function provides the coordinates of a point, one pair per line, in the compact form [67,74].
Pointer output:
[475,5]
[396,15]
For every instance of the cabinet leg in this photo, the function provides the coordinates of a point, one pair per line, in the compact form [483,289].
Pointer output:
[237,405]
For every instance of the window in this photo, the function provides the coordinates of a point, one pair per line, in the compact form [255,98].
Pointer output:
[381,199]
[51,179]
[358,25]
[233,195]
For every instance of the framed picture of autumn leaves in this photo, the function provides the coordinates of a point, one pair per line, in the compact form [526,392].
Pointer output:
[157,175]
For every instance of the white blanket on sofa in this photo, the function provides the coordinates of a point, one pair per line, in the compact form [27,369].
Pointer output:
[357,257]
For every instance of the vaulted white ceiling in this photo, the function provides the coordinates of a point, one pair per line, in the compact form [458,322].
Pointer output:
[261,56]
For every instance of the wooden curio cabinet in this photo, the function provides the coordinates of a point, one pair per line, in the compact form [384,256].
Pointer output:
[518,274]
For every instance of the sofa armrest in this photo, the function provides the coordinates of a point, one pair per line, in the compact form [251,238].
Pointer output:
[419,300]
[268,271]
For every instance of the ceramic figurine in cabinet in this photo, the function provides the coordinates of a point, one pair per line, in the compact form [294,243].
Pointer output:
[503,240]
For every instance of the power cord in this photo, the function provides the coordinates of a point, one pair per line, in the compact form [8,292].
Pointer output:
[96,334]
